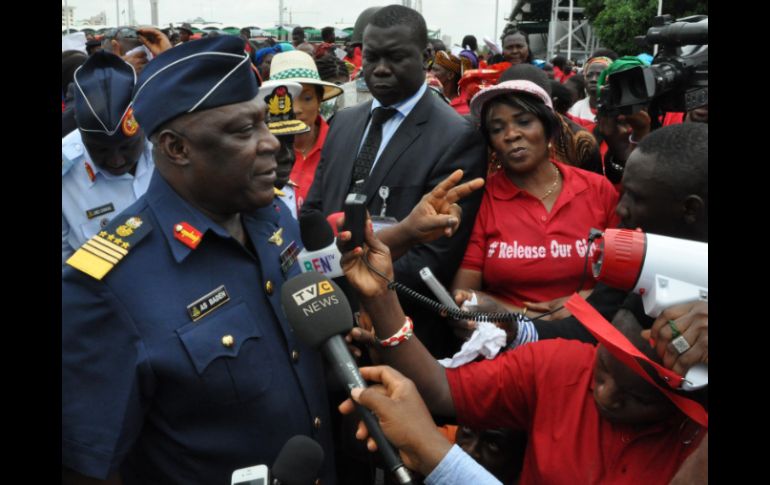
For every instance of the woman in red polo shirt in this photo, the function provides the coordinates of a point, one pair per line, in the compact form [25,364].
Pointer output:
[528,243]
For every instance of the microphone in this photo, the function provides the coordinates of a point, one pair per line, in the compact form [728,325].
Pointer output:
[320,254]
[319,312]
[298,462]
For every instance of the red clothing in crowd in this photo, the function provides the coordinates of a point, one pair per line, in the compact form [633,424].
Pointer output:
[322,48]
[546,388]
[305,166]
[355,60]
[460,104]
[559,75]
[673,118]
[525,253]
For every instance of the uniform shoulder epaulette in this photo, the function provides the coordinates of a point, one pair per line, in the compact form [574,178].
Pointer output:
[97,256]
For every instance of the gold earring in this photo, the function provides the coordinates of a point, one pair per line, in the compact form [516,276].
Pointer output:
[494,161]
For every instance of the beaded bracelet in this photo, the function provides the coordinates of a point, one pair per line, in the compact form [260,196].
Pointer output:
[403,334]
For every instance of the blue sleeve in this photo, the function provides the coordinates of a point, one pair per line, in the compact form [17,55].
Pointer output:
[105,377]
[458,467]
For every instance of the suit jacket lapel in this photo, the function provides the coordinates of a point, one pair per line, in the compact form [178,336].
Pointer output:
[407,132]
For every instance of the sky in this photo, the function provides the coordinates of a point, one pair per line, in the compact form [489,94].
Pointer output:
[455,18]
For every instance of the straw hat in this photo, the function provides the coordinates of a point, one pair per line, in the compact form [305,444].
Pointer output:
[299,67]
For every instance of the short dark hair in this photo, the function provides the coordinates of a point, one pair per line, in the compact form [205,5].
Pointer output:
[681,155]
[470,42]
[559,61]
[298,30]
[509,30]
[528,103]
[561,97]
[327,34]
[438,44]
[580,85]
[527,72]
[330,66]
[393,15]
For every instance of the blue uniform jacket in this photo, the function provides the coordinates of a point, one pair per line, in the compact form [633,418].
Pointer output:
[147,390]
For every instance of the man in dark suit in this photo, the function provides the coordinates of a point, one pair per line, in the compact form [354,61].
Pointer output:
[416,143]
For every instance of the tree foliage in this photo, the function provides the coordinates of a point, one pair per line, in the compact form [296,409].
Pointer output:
[617,22]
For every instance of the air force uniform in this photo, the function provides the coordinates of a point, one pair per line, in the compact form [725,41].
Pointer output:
[178,364]
[91,197]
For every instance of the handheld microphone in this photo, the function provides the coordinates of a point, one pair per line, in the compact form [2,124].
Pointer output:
[319,312]
[298,462]
[320,254]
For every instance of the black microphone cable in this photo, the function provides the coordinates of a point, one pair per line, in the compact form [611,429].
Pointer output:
[456,314]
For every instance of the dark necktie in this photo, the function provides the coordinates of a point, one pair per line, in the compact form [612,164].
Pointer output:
[369,149]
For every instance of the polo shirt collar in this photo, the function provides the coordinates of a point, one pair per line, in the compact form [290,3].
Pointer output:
[501,187]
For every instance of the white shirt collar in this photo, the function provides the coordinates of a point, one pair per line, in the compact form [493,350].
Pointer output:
[406,106]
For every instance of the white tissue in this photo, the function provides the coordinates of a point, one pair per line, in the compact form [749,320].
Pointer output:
[487,340]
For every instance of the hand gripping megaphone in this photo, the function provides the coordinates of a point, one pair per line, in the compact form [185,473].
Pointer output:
[665,271]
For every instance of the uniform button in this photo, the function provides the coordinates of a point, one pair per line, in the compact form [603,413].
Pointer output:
[543,218]
[228,341]
[269,287]
[103,223]
[317,423]
[295,356]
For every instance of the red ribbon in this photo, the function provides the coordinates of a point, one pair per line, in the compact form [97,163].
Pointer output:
[623,350]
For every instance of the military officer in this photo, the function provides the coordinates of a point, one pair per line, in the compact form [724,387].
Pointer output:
[106,162]
[178,364]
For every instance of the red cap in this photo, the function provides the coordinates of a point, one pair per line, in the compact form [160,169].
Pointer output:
[618,262]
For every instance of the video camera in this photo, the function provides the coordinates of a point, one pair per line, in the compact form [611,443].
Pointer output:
[677,80]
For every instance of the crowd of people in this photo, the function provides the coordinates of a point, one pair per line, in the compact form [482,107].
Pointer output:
[188,166]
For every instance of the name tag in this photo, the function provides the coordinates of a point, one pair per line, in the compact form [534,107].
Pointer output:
[207,303]
[102,209]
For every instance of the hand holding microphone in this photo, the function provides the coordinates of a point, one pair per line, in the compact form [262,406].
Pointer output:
[319,312]
[403,416]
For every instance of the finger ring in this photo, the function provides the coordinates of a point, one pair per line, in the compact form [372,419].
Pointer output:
[681,344]
[674,331]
